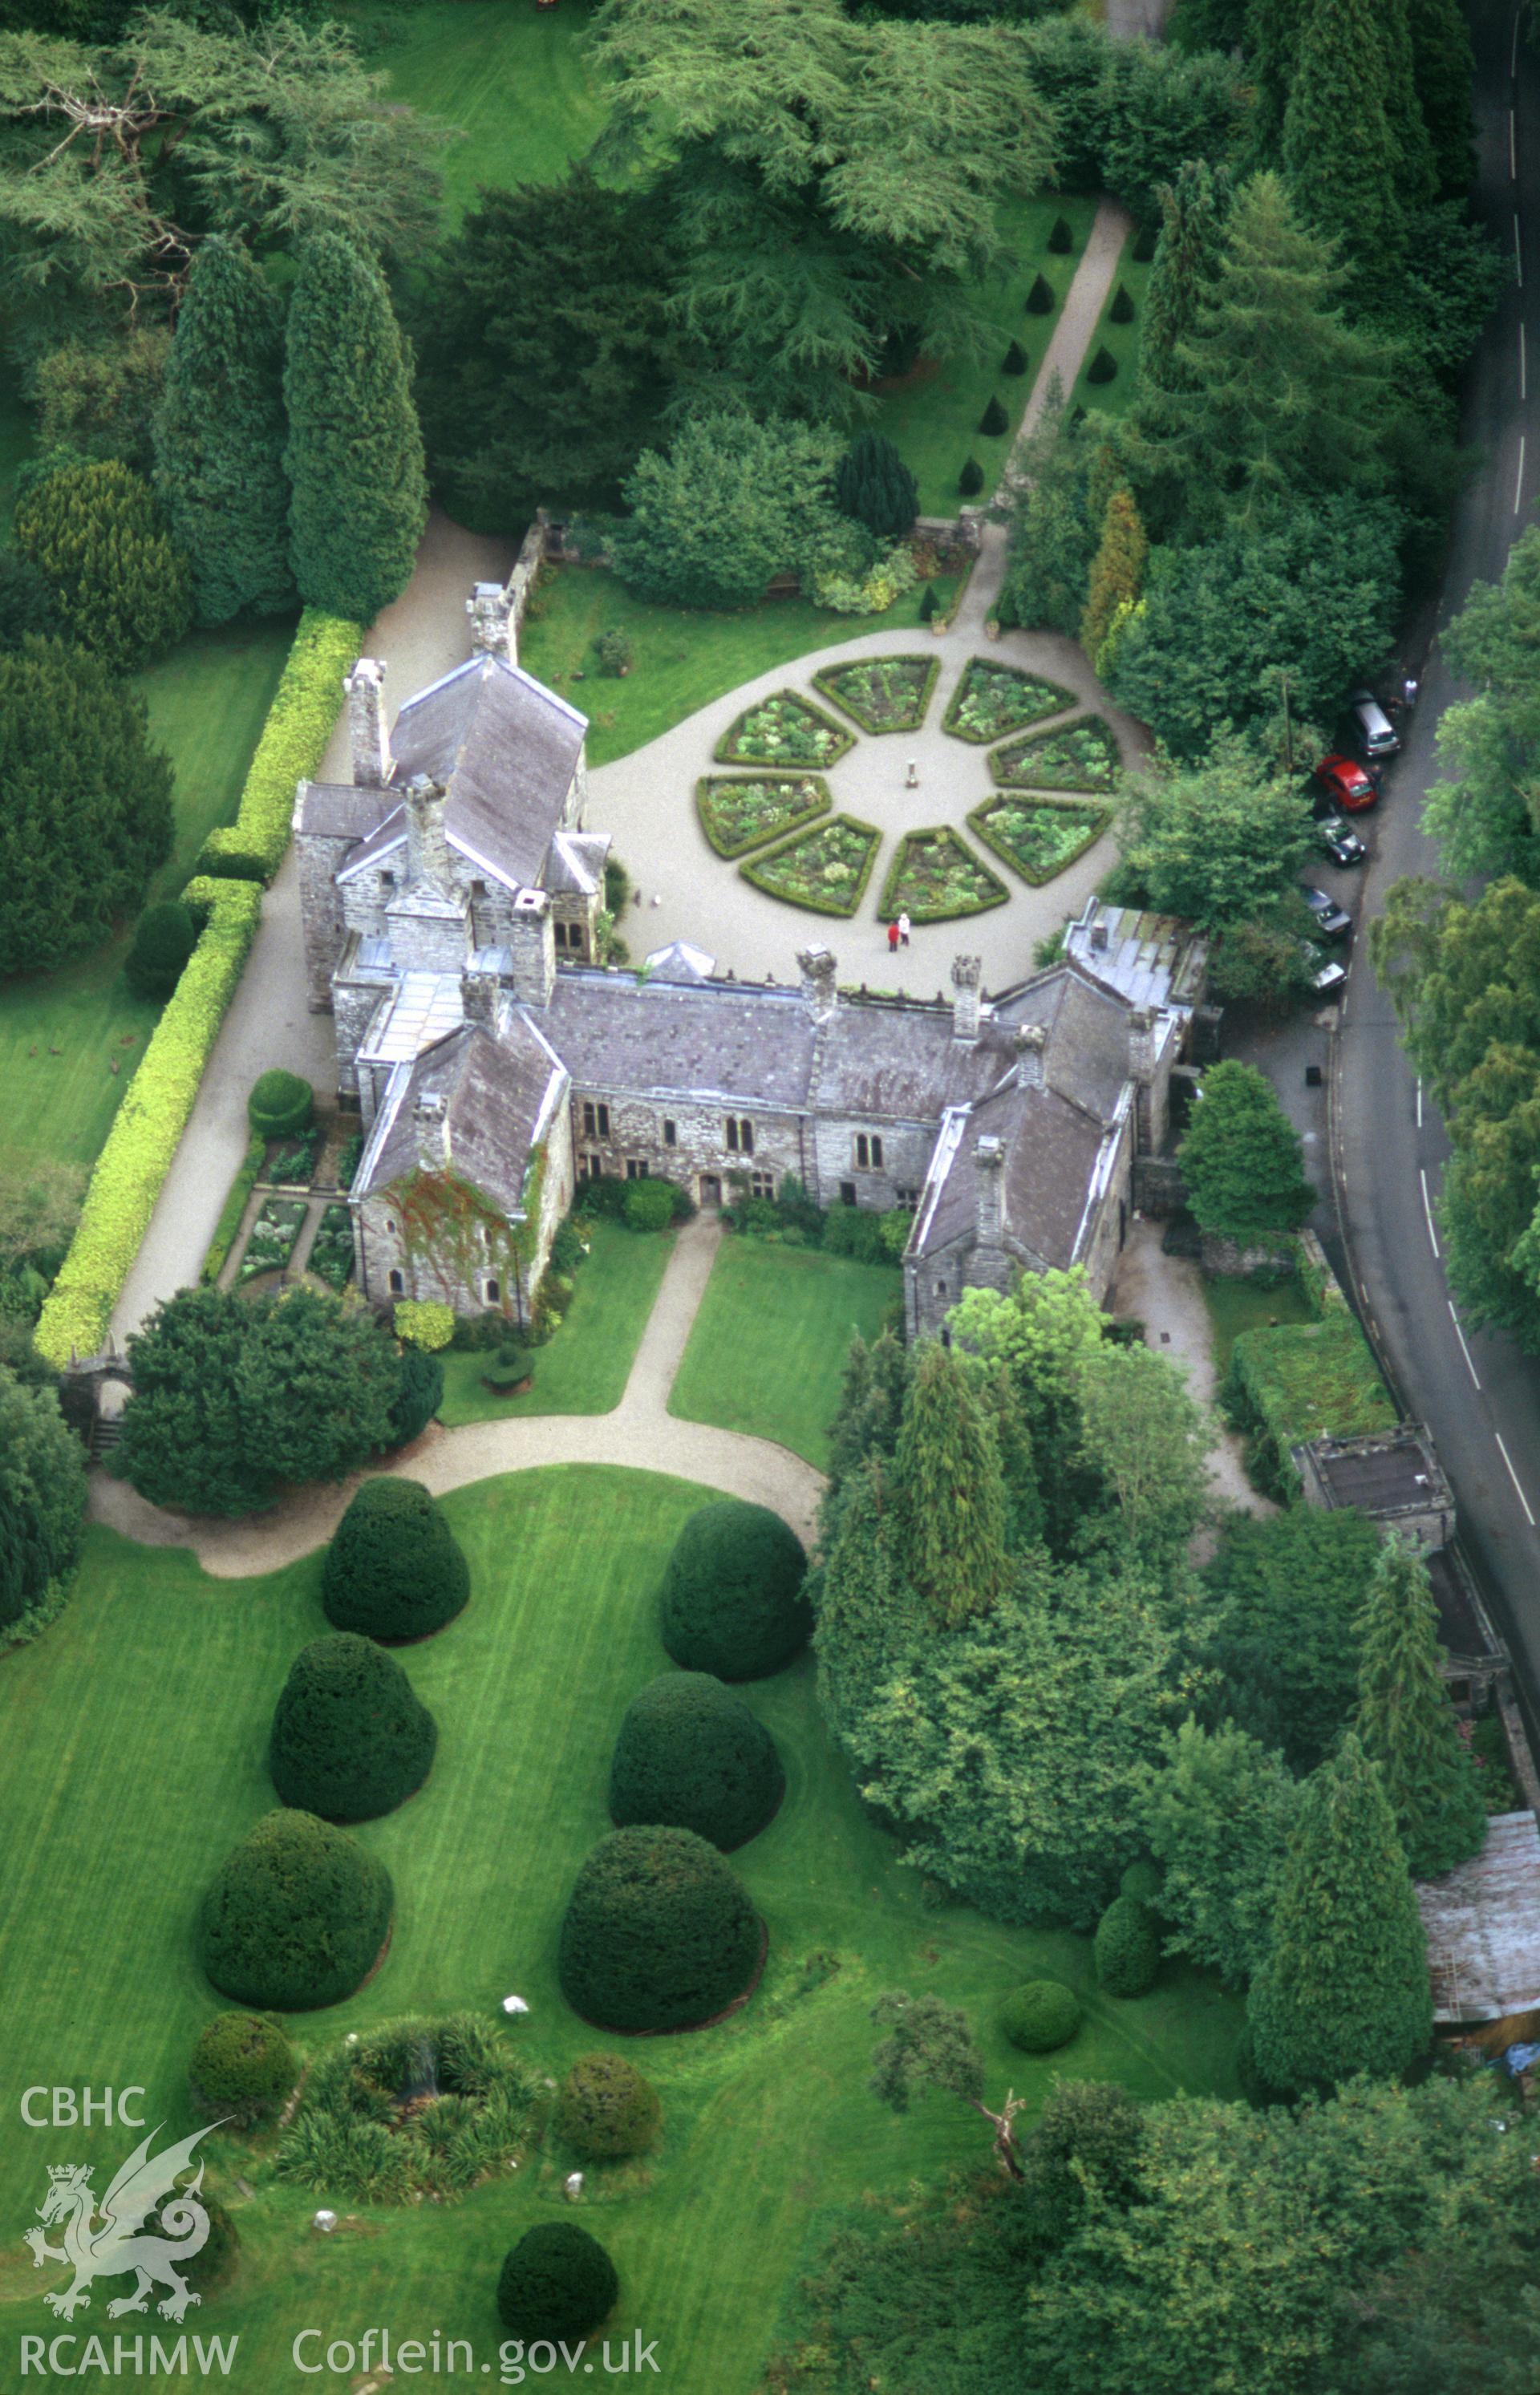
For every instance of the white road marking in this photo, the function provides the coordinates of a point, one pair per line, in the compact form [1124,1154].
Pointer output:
[1518,485]
[1419,1102]
[1514,1478]
[1463,1349]
[1427,1210]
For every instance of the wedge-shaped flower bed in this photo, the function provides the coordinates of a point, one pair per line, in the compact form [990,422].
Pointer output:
[738,815]
[1036,838]
[273,1237]
[299,725]
[825,868]
[993,700]
[148,1125]
[1081,756]
[936,875]
[783,730]
[882,694]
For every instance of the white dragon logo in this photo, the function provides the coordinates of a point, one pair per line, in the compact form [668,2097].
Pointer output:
[144,2183]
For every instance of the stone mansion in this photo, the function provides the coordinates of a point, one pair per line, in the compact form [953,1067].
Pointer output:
[451,897]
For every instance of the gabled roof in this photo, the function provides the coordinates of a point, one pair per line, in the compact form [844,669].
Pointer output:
[505,750]
[1056,1158]
[901,1064]
[1086,1056]
[575,866]
[723,1043]
[497,1095]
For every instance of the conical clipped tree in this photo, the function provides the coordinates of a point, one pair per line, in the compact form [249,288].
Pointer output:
[1193,210]
[1347,189]
[1443,67]
[950,1492]
[1406,1722]
[1117,570]
[350,1737]
[872,484]
[219,433]
[354,455]
[1344,1986]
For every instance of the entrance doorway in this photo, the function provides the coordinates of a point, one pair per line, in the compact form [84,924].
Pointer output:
[710,1189]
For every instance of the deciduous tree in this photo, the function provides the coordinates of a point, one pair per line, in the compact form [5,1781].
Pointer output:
[42,1496]
[1242,1158]
[1217,1813]
[1216,842]
[732,504]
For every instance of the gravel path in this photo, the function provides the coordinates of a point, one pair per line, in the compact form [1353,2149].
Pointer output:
[1164,1294]
[688,893]
[640,1434]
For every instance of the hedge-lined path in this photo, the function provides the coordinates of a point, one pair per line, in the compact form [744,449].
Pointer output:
[639,1434]
[423,635]
[688,893]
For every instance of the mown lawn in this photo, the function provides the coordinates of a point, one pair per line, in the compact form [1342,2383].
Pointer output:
[583,1367]
[134,1758]
[1121,341]
[769,1343]
[511,78]
[683,656]
[1236,1306]
[60,1033]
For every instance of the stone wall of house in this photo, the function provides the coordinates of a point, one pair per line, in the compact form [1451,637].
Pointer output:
[637,1137]
[322,912]
[1112,1220]
[906,1149]
[354,1007]
[382,1258]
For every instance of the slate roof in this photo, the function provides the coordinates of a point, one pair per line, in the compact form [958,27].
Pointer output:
[1482,1921]
[737,1044]
[1149,960]
[1086,1057]
[575,865]
[902,1064]
[341,809]
[497,1095]
[1054,1154]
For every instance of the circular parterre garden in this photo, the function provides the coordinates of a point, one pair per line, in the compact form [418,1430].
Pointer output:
[785,829]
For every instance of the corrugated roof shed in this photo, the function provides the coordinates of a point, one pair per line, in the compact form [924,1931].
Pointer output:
[1482,1921]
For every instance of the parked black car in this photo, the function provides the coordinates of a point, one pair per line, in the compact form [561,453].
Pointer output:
[1343,847]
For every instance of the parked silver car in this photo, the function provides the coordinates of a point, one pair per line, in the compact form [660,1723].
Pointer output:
[1375,731]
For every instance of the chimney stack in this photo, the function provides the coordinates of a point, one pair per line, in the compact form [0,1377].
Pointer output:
[1100,935]
[1141,1044]
[430,1124]
[1030,1042]
[491,613]
[967,973]
[990,1181]
[819,985]
[427,848]
[534,946]
[479,998]
[371,749]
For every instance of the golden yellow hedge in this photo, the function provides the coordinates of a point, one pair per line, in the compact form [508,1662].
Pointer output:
[305,707]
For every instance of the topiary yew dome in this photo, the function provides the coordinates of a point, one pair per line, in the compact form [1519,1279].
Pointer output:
[1040,2016]
[732,1593]
[606,2109]
[243,2069]
[394,1569]
[556,2284]
[658,1934]
[296,1917]
[692,1755]
[351,1737]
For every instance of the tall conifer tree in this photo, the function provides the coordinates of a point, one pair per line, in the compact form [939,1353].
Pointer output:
[218,435]
[950,1492]
[1272,48]
[1344,1987]
[1340,149]
[354,455]
[1193,210]
[1117,570]
[1406,1721]
[1443,68]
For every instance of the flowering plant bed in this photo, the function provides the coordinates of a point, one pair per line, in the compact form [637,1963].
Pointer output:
[1083,756]
[331,1258]
[825,868]
[992,700]
[1038,838]
[738,815]
[292,1161]
[882,694]
[783,730]
[273,1238]
[934,876]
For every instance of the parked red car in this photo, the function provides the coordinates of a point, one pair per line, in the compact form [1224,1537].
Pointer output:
[1346,784]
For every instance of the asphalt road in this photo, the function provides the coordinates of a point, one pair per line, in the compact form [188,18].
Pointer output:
[1479,1395]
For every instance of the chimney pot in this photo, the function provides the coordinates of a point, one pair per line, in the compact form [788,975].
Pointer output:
[430,1124]
[990,1181]
[367,742]
[490,609]
[427,848]
[1030,1042]
[479,996]
[819,986]
[1099,935]
[966,974]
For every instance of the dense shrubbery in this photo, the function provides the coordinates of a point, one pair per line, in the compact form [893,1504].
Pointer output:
[163,938]
[606,2110]
[394,1569]
[243,2069]
[691,1754]
[415,2108]
[351,1737]
[42,1496]
[733,1602]
[607,1195]
[148,1126]
[556,2284]
[88,812]
[733,504]
[1041,2017]
[418,1397]
[424,1322]
[295,1917]
[658,1934]
[122,587]
[294,739]
[1128,1948]
[281,1105]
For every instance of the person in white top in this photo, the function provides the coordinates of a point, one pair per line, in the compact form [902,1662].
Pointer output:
[903,931]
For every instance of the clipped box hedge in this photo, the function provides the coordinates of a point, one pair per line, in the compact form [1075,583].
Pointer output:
[304,708]
[133,1165]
